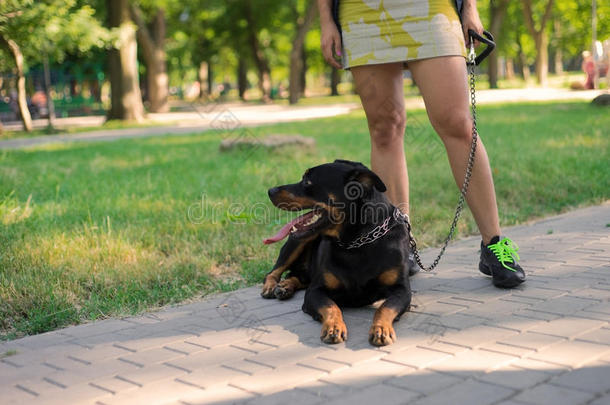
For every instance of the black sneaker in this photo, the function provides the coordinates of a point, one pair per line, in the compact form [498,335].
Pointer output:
[498,260]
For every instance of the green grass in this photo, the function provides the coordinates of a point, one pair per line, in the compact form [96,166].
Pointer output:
[89,231]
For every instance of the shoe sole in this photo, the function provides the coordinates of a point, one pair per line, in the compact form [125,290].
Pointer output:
[509,283]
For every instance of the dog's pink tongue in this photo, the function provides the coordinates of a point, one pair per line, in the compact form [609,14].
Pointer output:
[282,233]
[285,230]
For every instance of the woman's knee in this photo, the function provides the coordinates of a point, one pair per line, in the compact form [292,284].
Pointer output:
[456,126]
[387,127]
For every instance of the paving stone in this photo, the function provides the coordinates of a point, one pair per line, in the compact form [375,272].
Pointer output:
[496,309]
[603,400]
[217,395]
[591,378]
[366,374]
[351,357]
[468,393]
[472,362]
[569,327]
[246,366]
[210,357]
[532,341]
[99,352]
[515,378]
[388,394]
[439,308]
[417,357]
[150,374]
[209,376]
[564,305]
[425,381]
[325,390]
[152,356]
[477,335]
[572,353]
[162,392]
[278,379]
[185,347]
[113,385]
[82,393]
[287,355]
[322,364]
[292,397]
[506,349]
[601,335]
[553,395]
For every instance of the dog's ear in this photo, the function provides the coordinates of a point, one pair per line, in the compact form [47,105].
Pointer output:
[351,163]
[365,176]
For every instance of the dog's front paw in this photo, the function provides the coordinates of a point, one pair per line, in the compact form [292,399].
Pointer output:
[333,332]
[283,290]
[382,335]
[268,288]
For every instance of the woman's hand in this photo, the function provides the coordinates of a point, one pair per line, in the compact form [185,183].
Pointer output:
[331,43]
[471,21]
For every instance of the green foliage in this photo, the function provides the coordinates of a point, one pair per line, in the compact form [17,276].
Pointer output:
[52,27]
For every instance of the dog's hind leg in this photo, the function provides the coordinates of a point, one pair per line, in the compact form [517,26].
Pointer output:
[289,253]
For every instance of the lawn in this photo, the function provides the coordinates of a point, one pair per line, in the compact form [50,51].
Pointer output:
[94,230]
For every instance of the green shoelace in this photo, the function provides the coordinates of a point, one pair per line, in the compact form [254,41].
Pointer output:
[505,251]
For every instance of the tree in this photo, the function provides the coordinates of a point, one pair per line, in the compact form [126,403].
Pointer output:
[31,32]
[126,99]
[497,11]
[540,36]
[151,37]
[297,68]
[260,59]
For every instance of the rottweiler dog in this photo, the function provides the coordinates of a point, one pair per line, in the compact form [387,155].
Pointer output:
[350,249]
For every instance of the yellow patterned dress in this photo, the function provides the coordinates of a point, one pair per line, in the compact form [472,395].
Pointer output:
[384,31]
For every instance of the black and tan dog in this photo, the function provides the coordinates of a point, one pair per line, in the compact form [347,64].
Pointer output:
[351,249]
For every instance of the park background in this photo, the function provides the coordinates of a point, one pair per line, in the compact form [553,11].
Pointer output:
[95,230]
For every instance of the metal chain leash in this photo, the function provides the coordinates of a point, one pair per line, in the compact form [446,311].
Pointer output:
[374,234]
[464,189]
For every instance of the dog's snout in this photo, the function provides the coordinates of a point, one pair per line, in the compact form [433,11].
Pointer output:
[273,191]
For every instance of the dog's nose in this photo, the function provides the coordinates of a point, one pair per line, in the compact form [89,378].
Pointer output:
[272,191]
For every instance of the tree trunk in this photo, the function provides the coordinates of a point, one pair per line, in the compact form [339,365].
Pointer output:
[303,83]
[47,90]
[510,69]
[296,55]
[242,78]
[558,57]
[335,79]
[153,49]
[540,38]
[202,77]
[264,72]
[542,57]
[126,99]
[22,101]
[497,11]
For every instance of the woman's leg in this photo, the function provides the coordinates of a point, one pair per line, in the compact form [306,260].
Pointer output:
[443,84]
[381,91]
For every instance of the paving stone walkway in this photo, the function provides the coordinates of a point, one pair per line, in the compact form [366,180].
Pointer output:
[464,342]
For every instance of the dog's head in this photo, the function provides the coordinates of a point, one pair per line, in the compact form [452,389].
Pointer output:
[328,191]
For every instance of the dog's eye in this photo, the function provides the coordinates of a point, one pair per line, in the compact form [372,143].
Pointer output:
[307,183]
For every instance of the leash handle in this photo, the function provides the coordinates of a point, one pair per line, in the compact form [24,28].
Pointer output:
[488,40]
